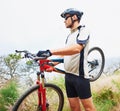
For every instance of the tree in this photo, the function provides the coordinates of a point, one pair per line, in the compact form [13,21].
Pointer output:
[8,65]
[12,66]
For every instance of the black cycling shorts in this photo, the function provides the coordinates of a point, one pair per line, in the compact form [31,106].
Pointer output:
[77,86]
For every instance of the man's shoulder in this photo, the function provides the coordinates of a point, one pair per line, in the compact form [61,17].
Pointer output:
[84,30]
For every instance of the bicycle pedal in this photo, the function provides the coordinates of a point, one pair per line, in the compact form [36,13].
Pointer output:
[47,104]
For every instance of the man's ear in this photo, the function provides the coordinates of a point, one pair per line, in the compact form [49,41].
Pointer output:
[74,17]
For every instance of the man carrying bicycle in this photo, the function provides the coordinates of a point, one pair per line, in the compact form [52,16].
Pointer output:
[75,61]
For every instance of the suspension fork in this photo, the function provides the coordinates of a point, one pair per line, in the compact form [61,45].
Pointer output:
[41,92]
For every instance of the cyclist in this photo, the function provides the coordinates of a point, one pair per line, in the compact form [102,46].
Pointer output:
[75,61]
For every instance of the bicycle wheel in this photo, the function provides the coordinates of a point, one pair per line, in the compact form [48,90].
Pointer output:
[96,62]
[29,100]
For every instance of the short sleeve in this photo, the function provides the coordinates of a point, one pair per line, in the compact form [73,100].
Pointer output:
[83,36]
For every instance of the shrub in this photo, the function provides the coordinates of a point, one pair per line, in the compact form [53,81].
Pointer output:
[8,94]
[105,100]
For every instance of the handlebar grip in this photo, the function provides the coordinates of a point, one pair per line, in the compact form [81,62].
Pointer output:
[60,60]
[16,51]
[25,51]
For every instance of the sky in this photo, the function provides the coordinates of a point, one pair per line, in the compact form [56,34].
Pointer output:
[36,24]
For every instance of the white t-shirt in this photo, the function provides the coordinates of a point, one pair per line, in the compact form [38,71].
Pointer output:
[77,64]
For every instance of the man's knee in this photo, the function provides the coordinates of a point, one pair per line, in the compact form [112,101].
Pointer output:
[74,104]
[88,104]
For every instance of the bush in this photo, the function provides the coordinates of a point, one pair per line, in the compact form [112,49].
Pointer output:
[106,99]
[8,94]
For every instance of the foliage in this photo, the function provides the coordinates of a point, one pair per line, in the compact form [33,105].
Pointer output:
[8,94]
[9,66]
[108,97]
[105,100]
[12,66]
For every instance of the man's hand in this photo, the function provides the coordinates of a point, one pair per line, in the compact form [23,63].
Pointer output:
[46,53]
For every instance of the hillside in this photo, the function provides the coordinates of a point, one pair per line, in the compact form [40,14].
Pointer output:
[111,64]
[108,82]
[105,81]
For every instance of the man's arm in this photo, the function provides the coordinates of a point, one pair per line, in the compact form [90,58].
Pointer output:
[69,50]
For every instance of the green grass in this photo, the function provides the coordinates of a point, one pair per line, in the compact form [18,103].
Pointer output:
[105,100]
[8,95]
[108,97]
[116,83]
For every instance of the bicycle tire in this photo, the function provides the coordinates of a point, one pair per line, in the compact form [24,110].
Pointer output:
[92,54]
[23,105]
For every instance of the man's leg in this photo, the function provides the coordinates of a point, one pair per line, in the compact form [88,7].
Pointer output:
[88,104]
[74,104]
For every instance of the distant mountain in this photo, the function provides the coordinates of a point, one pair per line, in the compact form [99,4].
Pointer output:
[111,64]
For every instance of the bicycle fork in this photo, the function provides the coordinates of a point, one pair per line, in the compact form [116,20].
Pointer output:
[41,93]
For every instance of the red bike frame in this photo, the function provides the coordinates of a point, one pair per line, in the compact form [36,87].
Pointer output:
[42,90]
[44,64]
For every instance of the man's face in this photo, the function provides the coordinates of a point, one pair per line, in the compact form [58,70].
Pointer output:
[68,21]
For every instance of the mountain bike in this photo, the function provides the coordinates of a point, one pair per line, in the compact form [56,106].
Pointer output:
[43,96]
[49,97]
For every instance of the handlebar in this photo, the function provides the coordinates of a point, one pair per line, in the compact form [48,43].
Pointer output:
[28,54]
[43,61]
